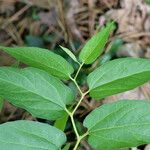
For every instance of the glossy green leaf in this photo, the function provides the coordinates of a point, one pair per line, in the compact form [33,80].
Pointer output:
[94,47]
[29,135]
[41,94]
[66,50]
[125,123]
[118,76]
[42,59]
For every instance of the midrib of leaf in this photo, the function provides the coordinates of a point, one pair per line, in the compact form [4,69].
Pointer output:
[95,46]
[90,52]
[41,109]
[117,120]
[45,64]
[101,75]
[111,139]
[53,88]
[107,116]
[125,114]
[102,40]
[32,92]
[124,77]
[97,79]
[123,126]
[48,84]
[106,71]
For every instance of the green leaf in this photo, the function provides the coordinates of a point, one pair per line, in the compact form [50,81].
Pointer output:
[70,54]
[29,135]
[118,76]
[1,103]
[148,1]
[94,47]
[125,123]
[42,59]
[44,96]
[61,123]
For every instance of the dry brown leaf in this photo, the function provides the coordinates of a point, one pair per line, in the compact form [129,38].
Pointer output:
[130,49]
[71,20]
[7,5]
[103,4]
[49,18]
[133,26]
[46,4]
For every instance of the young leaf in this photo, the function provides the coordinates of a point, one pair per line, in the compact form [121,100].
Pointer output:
[118,76]
[94,47]
[118,125]
[70,54]
[42,59]
[44,96]
[29,135]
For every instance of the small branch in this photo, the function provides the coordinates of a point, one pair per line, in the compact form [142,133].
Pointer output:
[79,140]
[76,145]
[75,82]
[71,114]
[73,123]
[79,102]
[78,71]
[74,127]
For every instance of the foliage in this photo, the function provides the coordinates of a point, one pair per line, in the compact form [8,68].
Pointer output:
[39,90]
[1,104]
[148,1]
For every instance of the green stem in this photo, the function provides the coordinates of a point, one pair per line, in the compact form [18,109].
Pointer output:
[74,127]
[79,140]
[76,145]
[75,82]
[79,102]
[78,71]
[71,114]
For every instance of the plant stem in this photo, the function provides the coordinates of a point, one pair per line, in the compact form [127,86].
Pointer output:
[79,102]
[71,114]
[79,140]
[78,71]
[75,82]
[76,145]
[74,127]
